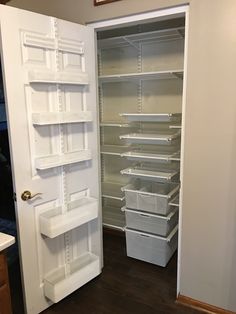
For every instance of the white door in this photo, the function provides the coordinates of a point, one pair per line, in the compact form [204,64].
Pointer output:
[49,76]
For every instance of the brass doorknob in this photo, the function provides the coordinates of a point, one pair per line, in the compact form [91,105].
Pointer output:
[26,195]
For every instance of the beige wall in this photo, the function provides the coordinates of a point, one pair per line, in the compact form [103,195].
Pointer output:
[209,212]
[83,11]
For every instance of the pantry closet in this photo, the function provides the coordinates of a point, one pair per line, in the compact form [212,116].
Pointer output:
[62,184]
[140,96]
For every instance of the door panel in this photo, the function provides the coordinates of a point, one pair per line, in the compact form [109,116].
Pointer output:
[49,77]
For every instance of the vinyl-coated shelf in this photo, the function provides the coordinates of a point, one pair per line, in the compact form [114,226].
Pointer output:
[152,117]
[157,75]
[175,126]
[162,176]
[113,218]
[175,201]
[134,39]
[113,191]
[151,156]
[114,150]
[116,124]
[151,138]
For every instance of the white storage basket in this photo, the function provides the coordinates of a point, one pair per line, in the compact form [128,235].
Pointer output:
[156,224]
[151,248]
[150,197]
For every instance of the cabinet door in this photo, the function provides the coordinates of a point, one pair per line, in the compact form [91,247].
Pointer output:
[50,91]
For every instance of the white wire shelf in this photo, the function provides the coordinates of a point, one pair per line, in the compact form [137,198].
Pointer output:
[147,173]
[179,127]
[113,218]
[61,219]
[47,118]
[150,138]
[151,156]
[175,201]
[67,278]
[114,150]
[113,191]
[117,124]
[135,39]
[52,161]
[157,75]
[155,117]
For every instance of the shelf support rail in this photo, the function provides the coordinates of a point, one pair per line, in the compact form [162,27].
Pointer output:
[130,42]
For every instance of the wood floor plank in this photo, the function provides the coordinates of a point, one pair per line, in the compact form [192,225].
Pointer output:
[126,286]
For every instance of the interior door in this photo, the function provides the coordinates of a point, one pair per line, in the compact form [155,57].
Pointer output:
[49,76]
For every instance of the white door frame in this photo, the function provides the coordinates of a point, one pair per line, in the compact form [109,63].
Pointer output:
[158,14]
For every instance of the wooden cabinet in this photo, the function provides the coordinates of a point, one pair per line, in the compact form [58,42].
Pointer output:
[5,299]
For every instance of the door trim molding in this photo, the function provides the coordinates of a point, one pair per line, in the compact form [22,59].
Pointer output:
[201,306]
[134,18]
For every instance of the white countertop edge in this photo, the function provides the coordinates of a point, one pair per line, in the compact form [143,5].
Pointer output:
[6,240]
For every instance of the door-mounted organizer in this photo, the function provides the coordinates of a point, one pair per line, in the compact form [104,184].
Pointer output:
[59,220]
[55,118]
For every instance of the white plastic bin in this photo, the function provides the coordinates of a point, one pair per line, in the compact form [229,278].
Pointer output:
[156,224]
[68,278]
[55,222]
[151,248]
[150,197]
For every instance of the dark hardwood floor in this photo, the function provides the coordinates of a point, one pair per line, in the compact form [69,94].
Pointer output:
[125,286]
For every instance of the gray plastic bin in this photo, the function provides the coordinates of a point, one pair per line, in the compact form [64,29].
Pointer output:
[156,224]
[150,197]
[151,248]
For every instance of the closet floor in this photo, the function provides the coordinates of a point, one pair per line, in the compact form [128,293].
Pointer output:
[126,286]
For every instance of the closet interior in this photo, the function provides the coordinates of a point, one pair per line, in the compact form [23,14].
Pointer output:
[140,70]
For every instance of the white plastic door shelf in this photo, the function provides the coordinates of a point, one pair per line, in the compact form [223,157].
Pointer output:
[64,218]
[46,77]
[47,118]
[52,161]
[68,278]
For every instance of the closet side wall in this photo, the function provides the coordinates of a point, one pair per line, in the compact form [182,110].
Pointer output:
[208,251]
[208,255]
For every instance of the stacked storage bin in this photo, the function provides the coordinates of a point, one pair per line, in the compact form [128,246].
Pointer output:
[151,203]
[151,233]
